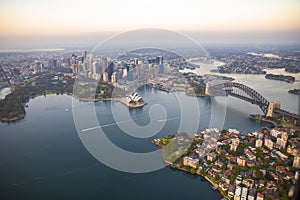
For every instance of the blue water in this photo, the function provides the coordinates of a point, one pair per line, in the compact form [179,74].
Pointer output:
[42,156]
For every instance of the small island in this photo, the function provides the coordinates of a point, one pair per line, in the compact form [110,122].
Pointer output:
[295,91]
[289,79]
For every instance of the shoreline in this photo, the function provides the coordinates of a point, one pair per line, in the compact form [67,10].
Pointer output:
[23,115]
[171,165]
[262,119]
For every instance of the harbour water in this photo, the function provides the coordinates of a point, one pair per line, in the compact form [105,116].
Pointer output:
[42,156]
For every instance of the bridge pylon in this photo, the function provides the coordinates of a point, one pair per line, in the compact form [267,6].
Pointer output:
[272,106]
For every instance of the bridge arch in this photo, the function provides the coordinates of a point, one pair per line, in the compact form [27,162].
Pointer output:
[240,91]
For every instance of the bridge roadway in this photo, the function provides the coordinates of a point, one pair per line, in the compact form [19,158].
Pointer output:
[247,94]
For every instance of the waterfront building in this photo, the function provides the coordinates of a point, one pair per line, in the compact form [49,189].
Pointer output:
[190,162]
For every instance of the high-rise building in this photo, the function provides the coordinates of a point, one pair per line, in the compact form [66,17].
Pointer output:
[136,61]
[55,63]
[159,60]
[124,73]
[114,77]
[84,54]
[105,77]
[110,70]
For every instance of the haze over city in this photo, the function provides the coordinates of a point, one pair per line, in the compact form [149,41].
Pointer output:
[30,22]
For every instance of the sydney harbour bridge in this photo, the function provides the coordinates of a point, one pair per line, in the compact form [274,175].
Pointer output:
[243,92]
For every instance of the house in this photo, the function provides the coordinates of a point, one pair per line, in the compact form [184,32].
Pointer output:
[280,169]
[211,156]
[219,164]
[260,196]
[274,176]
[251,163]
[249,154]
[248,183]
[282,156]
[289,175]
[238,180]
[237,194]
[244,193]
[261,183]
[231,191]
[224,186]
[251,194]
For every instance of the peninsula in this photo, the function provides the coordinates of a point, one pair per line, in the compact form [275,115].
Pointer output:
[263,164]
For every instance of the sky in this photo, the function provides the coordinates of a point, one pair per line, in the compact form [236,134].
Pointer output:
[41,18]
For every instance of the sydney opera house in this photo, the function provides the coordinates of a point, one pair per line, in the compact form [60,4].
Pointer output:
[134,101]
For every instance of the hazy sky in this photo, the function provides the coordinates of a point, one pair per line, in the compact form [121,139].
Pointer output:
[65,17]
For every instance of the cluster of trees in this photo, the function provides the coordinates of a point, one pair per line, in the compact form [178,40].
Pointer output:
[13,106]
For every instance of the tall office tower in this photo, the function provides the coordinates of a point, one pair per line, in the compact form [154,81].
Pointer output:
[155,70]
[55,65]
[167,69]
[94,68]
[130,72]
[105,77]
[136,61]
[137,73]
[74,58]
[104,63]
[150,70]
[68,62]
[159,60]
[124,73]
[90,62]
[45,64]
[80,59]
[114,77]
[84,54]
[110,70]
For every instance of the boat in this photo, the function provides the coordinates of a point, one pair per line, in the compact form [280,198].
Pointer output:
[67,110]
